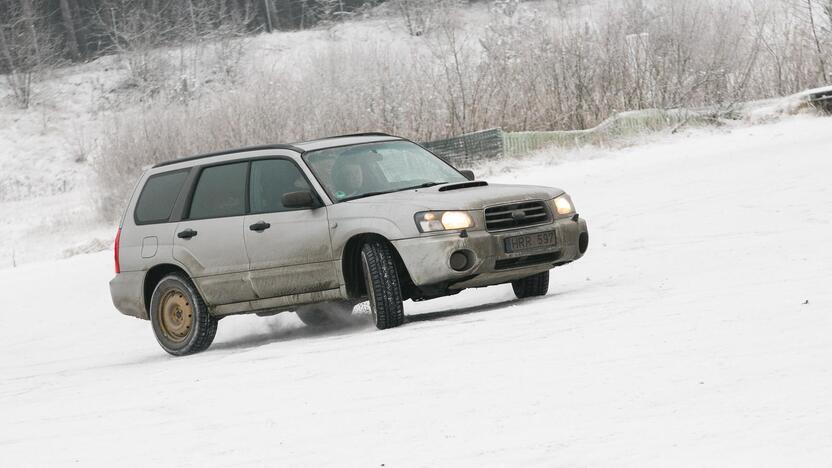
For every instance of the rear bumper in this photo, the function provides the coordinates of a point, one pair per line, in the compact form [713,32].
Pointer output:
[126,291]
[427,258]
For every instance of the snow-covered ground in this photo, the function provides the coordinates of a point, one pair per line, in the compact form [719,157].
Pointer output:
[696,332]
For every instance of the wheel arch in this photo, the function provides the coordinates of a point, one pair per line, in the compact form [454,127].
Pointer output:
[351,265]
[154,276]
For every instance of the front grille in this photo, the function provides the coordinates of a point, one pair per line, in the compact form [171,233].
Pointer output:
[520,262]
[515,215]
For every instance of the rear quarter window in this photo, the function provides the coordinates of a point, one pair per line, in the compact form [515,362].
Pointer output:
[158,196]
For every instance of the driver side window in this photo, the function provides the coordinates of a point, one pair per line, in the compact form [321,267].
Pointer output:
[270,180]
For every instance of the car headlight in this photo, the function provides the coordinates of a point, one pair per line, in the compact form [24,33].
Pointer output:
[430,221]
[563,205]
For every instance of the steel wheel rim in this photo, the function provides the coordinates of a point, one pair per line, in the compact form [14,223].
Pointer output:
[176,315]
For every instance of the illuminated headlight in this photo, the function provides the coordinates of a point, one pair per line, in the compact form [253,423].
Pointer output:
[563,205]
[429,221]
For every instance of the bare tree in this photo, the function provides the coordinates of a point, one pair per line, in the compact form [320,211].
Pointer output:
[26,49]
[810,11]
[69,27]
[827,10]
[27,17]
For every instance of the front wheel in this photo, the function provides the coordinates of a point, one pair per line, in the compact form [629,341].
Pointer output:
[531,286]
[382,281]
[179,317]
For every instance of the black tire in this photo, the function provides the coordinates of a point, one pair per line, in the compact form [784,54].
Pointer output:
[382,281]
[194,338]
[325,313]
[531,286]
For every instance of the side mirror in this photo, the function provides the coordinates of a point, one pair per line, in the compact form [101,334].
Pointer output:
[302,199]
[468,174]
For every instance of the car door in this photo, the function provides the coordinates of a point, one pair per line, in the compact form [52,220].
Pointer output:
[289,250]
[210,242]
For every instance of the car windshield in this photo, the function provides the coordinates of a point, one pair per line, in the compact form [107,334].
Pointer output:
[358,171]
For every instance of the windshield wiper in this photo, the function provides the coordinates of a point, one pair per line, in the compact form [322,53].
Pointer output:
[364,195]
[425,185]
[372,194]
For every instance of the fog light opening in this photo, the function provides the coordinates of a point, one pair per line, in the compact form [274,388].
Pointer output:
[461,260]
[583,242]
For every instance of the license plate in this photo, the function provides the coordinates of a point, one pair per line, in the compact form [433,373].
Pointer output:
[536,241]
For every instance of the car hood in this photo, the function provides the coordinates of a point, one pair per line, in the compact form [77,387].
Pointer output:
[463,198]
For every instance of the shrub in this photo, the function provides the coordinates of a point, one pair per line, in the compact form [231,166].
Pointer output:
[533,66]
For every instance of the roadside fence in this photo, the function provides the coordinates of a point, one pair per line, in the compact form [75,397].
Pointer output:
[492,144]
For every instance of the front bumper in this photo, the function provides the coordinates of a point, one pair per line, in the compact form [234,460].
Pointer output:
[427,258]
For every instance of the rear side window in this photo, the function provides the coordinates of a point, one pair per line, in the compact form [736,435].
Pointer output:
[158,196]
[220,192]
[270,180]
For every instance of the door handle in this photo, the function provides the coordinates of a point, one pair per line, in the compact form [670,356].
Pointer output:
[260,226]
[186,234]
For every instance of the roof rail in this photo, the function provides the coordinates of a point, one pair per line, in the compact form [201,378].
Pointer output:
[362,134]
[228,151]
[263,147]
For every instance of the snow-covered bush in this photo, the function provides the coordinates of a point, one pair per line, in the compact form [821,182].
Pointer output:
[422,16]
[27,50]
[521,66]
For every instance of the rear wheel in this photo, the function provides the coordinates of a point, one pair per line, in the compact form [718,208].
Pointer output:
[382,281]
[179,317]
[325,313]
[531,286]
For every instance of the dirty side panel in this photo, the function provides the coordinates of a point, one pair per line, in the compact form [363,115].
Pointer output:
[216,258]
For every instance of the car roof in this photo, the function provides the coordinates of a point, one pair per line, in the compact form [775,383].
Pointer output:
[302,147]
[344,140]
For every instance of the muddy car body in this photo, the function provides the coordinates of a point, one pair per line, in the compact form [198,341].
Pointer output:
[319,226]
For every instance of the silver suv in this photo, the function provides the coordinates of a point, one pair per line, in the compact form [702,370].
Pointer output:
[318,227]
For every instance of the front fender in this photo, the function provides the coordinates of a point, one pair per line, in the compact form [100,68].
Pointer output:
[390,222]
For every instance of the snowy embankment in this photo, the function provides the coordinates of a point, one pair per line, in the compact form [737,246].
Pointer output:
[48,188]
[696,332]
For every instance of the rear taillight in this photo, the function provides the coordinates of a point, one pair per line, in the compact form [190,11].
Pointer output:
[115,248]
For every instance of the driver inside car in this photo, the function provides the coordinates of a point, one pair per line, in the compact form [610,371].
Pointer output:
[348,174]
[349,180]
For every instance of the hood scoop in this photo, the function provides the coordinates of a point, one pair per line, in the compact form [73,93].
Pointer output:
[463,185]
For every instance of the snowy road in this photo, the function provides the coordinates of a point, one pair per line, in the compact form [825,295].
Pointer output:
[683,338]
